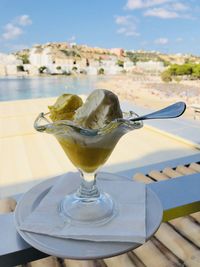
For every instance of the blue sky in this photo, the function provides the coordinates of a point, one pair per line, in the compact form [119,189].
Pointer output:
[163,25]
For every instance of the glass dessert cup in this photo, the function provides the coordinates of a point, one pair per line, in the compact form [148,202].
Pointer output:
[88,150]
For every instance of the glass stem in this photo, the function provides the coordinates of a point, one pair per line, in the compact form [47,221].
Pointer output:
[88,189]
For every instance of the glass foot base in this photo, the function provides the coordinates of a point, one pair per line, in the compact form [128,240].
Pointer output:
[98,210]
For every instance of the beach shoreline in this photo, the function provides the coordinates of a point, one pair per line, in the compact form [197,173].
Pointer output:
[143,90]
[150,92]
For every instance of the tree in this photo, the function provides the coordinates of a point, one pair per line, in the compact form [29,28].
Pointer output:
[185,69]
[196,71]
[20,68]
[24,58]
[74,68]
[165,63]
[132,56]
[166,76]
[101,71]
[173,69]
[120,63]
[42,69]
[190,70]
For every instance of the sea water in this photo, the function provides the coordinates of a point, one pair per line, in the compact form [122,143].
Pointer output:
[14,88]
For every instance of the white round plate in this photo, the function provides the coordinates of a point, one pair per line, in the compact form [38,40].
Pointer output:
[76,249]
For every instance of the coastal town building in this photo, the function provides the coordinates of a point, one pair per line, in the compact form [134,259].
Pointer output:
[8,64]
[129,65]
[40,56]
[67,58]
[151,66]
[117,51]
[57,60]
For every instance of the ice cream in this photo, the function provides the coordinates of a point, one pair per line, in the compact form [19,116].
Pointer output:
[86,157]
[101,107]
[65,107]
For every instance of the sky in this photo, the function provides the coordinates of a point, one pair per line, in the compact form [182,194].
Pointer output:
[163,25]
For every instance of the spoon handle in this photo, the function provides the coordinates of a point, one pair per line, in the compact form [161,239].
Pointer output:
[172,111]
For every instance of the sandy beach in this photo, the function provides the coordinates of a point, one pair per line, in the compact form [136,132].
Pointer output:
[150,92]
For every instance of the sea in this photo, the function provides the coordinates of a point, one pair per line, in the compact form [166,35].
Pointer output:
[15,88]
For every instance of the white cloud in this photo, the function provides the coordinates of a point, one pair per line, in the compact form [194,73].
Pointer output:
[24,20]
[165,9]
[128,25]
[11,32]
[161,13]
[136,4]
[121,20]
[179,6]
[161,41]
[13,29]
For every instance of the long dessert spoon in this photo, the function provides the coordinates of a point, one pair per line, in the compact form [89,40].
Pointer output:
[172,111]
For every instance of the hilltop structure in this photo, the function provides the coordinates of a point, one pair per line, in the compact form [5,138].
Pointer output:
[66,58]
[63,57]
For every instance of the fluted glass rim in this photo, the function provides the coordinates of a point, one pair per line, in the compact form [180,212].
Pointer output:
[121,122]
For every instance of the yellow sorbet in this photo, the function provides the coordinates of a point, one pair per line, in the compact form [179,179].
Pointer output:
[65,107]
[86,158]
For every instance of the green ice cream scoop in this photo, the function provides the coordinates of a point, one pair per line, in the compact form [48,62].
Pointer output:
[65,107]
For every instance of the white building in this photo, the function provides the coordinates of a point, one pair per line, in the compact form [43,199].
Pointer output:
[108,63]
[112,70]
[91,70]
[35,56]
[47,56]
[154,66]
[8,64]
[41,56]
[6,59]
[129,65]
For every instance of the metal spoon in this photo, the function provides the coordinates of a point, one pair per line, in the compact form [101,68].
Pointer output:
[172,111]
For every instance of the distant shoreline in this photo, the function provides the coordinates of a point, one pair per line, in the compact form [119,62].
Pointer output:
[152,93]
[79,75]
[143,90]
